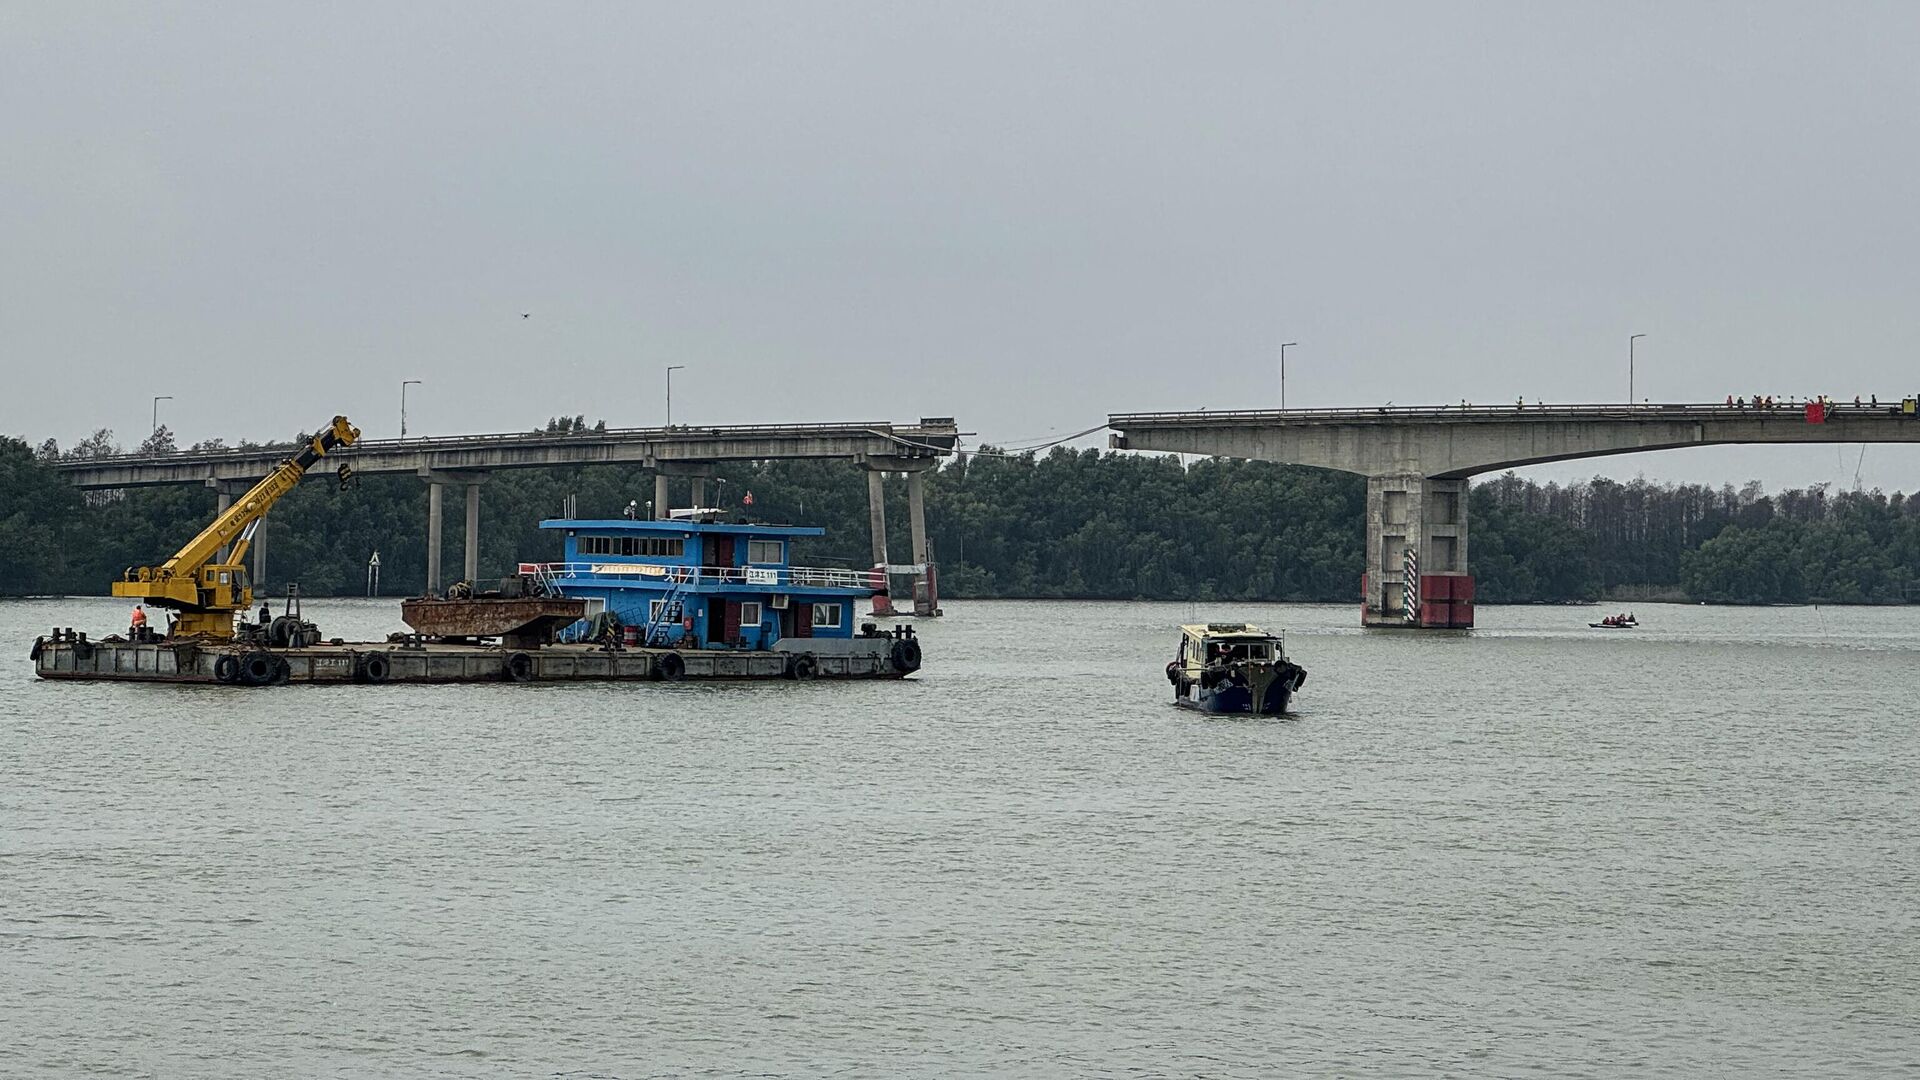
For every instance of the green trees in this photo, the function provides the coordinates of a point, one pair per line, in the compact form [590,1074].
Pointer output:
[1065,524]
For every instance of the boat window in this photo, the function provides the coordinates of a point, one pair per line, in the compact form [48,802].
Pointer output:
[749,613]
[826,614]
[658,546]
[654,609]
[1257,652]
[763,551]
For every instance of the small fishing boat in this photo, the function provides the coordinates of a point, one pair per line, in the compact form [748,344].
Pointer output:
[1233,668]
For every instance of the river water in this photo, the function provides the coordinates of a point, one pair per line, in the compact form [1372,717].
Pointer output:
[1690,849]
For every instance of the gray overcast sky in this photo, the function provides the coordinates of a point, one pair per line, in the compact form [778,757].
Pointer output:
[1021,215]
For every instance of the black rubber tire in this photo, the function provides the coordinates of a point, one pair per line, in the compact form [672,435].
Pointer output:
[282,672]
[227,668]
[905,656]
[518,668]
[39,645]
[1173,672]
[802,667]
[671,667]
[256,669]
[374,668]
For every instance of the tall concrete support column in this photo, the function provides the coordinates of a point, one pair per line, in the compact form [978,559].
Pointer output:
[1427,516]
[926,593]
[433,537]
[225,491]
[437,481]
[877,522]
[697,471]
[472,566]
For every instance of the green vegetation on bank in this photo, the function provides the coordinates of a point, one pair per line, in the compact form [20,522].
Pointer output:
[1067,524]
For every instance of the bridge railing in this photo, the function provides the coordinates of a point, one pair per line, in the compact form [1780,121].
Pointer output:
[1467,411]
[915,435]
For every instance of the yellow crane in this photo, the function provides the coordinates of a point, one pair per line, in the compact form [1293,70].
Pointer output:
[208,594]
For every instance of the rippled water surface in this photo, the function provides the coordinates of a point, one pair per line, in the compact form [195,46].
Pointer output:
[1691,849]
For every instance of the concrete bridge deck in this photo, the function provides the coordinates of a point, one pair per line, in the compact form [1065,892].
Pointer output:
[1455,442]
[682,451]
[1417,461]
[522,450]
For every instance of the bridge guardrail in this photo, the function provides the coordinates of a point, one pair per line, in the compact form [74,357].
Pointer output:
[1614,411]
[914,434]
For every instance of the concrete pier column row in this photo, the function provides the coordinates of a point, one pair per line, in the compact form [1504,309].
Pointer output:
[1407,511]
[925,596]
[664,472]
[437,480]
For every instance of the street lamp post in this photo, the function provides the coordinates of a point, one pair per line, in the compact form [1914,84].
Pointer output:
[156,413]
[1630,343]
[404,383]
[670,370]
[1284,346]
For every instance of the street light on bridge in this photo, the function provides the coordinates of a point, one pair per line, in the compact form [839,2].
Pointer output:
[1284,346]
[670,370]
[404,383]
[155,429]
[1630,342]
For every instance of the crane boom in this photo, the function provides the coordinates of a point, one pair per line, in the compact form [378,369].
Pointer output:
[208,593]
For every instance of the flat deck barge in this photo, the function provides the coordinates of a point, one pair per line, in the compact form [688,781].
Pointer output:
[889,655]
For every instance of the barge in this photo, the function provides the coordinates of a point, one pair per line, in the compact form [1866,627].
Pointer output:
[873,654]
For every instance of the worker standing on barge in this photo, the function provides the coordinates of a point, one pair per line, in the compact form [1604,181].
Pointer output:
[138,624]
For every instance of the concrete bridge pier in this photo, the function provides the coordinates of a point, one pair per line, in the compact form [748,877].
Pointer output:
[1416,551]
[664,472]
[225,491]
[437,480]
[926,600]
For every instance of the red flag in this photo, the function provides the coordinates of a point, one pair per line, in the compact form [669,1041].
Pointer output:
[1816,412]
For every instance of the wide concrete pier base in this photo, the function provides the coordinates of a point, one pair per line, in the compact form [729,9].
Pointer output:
[1416,554]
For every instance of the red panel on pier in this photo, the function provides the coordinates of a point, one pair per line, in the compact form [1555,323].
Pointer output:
[1463,593]
[1435,587]
[1463,612]
[1436,613]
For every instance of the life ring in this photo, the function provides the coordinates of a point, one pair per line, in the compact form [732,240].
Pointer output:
[372,668]
[802,667]
[519,667]
[670,666]
[257,669]
[905,655]
[227,668]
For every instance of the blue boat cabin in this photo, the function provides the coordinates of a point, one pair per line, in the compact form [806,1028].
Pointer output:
[705,584]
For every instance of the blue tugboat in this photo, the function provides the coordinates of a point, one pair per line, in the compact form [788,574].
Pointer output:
[697,583]
[1233,668]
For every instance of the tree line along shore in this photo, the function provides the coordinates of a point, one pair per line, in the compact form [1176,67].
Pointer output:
[1067,524]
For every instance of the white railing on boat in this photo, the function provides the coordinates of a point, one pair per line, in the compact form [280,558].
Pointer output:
[558,576]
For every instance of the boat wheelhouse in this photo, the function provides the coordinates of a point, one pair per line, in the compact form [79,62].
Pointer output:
[694,582]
